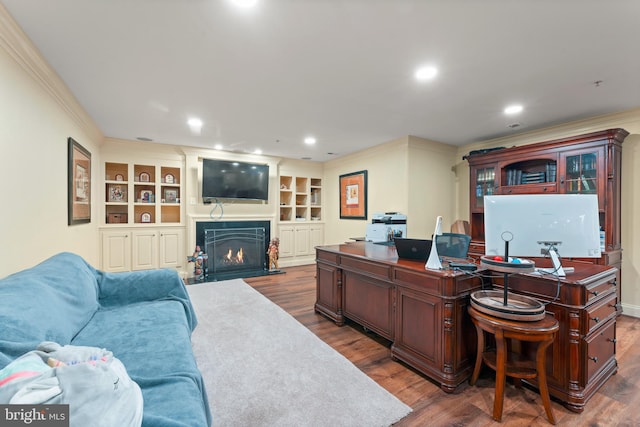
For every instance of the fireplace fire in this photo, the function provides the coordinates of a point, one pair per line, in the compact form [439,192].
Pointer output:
[230,258]
[236,252]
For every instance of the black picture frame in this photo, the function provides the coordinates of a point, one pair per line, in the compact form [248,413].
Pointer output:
[353,195]
[79,183]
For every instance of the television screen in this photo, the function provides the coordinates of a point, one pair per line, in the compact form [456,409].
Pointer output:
[570,219]
[223,179]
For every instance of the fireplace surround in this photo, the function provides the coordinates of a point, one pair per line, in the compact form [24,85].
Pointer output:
[234,249]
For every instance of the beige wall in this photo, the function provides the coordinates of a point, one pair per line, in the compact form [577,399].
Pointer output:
[431,186]
[387,176]
[409,175]
[34,126]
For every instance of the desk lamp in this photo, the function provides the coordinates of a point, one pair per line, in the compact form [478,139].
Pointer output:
[433,262]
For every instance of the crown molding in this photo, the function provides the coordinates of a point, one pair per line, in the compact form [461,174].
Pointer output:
[18,45]
[628,119]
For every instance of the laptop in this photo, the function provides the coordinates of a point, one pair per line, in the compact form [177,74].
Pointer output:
[417,249]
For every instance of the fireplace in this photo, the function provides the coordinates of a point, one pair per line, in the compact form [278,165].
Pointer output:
[234,248]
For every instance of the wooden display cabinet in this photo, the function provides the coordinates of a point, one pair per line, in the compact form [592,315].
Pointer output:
[583,164]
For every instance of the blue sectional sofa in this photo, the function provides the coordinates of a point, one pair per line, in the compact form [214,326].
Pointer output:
[145,318]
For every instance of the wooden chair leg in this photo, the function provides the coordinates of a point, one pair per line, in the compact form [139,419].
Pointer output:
[542,379]
[476,369]
[501,367]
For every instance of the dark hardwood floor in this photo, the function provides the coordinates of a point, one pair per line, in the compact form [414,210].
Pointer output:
[617,403]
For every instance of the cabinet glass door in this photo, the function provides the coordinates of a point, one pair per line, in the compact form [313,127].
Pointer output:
[485,184]
[581,173]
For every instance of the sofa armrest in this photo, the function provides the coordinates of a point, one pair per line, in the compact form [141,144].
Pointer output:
[117,289]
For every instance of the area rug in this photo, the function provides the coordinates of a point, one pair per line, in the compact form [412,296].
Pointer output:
[264,368]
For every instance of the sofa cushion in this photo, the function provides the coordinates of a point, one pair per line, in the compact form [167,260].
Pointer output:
[153,340]
[49,302]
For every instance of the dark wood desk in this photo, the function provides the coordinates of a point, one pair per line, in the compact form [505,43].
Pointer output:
[424,314]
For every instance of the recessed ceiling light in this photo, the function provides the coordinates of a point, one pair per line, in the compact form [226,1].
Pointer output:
[217,147]
[257,151]
[195,122]
[513,109]
[426,73]
[309,140]
[245,3]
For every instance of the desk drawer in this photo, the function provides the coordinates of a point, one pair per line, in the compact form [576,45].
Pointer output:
[598,314]
[329,257]
[370,268]
[600,348]
[419,281]
[598,289]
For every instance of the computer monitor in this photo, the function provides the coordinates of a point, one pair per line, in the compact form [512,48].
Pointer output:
[533,224]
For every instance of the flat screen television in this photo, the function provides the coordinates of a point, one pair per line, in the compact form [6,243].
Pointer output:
[532,222]
[224,179]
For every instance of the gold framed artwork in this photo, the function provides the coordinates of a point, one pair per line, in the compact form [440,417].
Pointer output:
[78,183]
[353,195]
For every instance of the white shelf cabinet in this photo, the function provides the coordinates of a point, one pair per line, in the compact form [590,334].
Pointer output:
[116,250]
[129,249]
[300,228]
[142,193]
[298,242]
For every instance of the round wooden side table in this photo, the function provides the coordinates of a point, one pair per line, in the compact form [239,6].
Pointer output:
[541,331]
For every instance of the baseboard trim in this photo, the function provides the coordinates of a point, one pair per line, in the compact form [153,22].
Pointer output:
[631,310]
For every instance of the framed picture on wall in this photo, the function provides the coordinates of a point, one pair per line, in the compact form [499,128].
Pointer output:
[78,183]
[353,195]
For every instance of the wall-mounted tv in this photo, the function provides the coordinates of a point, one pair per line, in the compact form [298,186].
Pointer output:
[224,179]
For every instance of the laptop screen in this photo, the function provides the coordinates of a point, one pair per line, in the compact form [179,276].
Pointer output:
[417,249]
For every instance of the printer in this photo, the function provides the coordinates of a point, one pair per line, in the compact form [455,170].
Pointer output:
[386,226]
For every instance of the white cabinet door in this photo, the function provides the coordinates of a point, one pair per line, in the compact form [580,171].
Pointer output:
[144,250]
[116,250]
[171,248]
[287,242]
[316,237]
[302,240]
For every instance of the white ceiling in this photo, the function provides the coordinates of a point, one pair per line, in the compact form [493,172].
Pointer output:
[341,71]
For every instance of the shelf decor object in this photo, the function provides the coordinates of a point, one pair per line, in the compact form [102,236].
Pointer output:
[353,195]
[170,196]
[79,183]
[117,193]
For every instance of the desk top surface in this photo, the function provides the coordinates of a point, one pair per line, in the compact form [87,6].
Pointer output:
[583,274]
